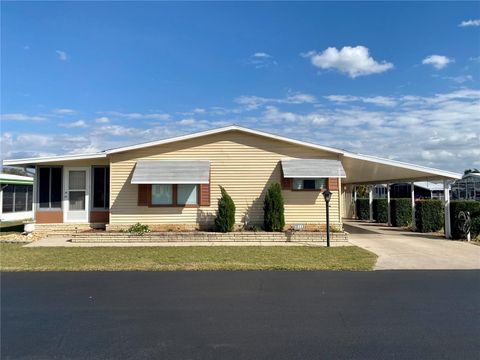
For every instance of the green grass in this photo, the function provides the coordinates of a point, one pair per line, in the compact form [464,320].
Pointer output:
[14,257]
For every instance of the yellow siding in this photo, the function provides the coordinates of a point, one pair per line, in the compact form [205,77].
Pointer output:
[244,164]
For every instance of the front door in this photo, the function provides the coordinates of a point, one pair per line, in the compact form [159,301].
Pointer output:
[76,194]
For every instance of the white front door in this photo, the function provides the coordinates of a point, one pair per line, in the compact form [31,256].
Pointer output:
[76,194]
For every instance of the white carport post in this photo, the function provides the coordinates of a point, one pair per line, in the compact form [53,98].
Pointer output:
[448,226]
[370,201]
[389,215]
[355,202]
[412,192]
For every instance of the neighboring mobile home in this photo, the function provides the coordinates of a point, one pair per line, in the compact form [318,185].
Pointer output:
[174,183]
[16,198]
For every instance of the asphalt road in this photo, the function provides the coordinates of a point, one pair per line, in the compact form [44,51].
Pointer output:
[241,315]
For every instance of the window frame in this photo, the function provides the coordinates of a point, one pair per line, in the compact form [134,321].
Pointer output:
[174,197]
[106,189]
[325,187]
[37,196]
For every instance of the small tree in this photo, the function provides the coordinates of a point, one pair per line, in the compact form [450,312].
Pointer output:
[225,219]
[274,219]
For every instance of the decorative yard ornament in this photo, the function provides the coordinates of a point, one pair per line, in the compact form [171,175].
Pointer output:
[464,223]
[327,196]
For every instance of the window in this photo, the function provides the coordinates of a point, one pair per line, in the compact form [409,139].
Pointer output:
[174,195]
[17,198]
[309,184]
[186,194]
[50,188]
[101,187]
[162,194]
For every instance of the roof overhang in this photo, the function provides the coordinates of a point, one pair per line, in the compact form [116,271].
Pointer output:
[49,159]
[171,172]
[312,168]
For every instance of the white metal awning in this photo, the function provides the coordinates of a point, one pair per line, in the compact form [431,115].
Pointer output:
[171,172]
[312,168]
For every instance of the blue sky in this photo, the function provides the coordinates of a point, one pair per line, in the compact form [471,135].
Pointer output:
[398,80]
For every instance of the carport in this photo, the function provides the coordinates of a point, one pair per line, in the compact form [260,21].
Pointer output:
[370,171]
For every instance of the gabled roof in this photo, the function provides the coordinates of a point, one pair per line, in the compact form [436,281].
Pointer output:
[219,131]
[364,164]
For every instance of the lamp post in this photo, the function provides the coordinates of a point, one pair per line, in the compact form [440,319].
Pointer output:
[327,196]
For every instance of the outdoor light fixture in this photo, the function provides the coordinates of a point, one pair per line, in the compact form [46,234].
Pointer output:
[328,195]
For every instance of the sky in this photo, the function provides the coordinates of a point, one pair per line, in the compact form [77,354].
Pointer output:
[395,80]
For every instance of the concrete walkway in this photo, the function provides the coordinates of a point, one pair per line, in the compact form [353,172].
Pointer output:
[401,250]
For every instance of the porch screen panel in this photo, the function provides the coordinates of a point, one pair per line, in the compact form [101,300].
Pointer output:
[7,205]
[77,200]
[76,180]
[99,187]
[20,198]
[44,187]
[56,188]
[29,197]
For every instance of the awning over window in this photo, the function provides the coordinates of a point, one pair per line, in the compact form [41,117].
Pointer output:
[312,168]
[171,172]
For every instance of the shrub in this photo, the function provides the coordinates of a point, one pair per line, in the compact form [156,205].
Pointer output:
[273,216]
[475,229]
[463,205]
[428,215]
[363,209]
[225,219]
[138,229]
[401,212]
[380,210]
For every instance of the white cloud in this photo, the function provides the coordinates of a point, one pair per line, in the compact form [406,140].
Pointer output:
[375,100]
[62,55]
[261,60]
[137,116]
[354,61]
[64,111]
[199,110]
[466,23]
[102,120]
[253,102]
[460,79]
[74,125]
[261,55]
[437,61]
[22,117]
[187,122]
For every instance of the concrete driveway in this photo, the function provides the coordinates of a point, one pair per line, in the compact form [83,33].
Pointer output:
[398,249]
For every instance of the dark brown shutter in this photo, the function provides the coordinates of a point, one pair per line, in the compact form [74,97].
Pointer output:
[204,195]
[286,183]
[333,184]
[144,194]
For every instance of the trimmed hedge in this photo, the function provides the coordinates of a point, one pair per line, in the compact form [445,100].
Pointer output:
[380,210]
[401,212]
[363,209]
[428,215]
[465,205]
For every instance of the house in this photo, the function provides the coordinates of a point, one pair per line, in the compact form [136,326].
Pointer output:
[174,183]
[467,188]
[16,198]
[422,190]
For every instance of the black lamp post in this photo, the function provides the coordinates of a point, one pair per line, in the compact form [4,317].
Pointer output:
[328,195]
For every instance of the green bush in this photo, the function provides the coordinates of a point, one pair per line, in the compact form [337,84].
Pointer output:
[463,205]
[401,212]
[475,229]
[363,209]
[225,219]
[380,210]
[428,215]
[138,229]
[273,216]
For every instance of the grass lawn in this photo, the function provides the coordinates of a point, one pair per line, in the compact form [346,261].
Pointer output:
[14,257]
